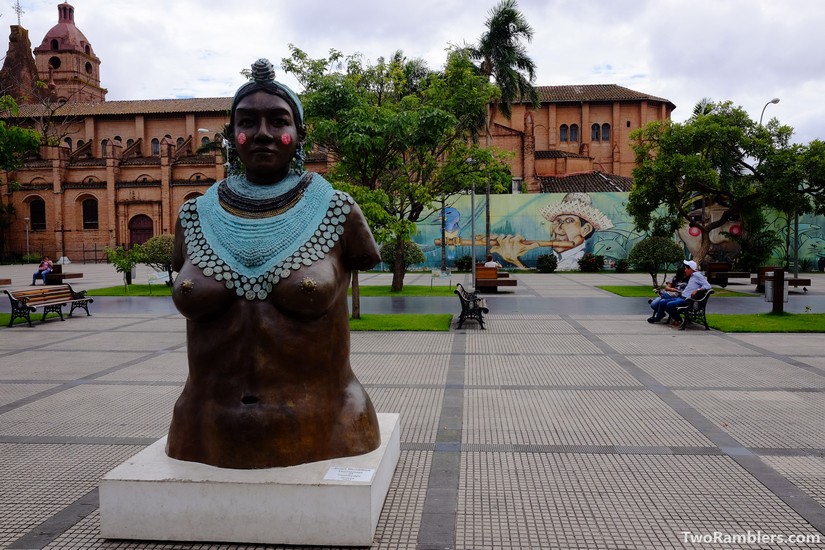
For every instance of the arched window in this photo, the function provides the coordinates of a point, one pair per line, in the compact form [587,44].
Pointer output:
[37,214]
[90,214]
[563,133]
[204,140]
[180,141]
[88,49]
[55,44]
[104,147]
[605,132]
[129,142]
[68,142]
[595,132]
[155,147]
[79,143]
[574,133]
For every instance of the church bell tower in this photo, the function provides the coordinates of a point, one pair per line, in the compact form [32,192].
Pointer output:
[67,63]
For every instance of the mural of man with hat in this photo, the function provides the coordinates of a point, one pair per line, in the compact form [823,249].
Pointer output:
[573,222]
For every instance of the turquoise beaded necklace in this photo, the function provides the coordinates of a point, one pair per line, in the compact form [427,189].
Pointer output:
[251,255]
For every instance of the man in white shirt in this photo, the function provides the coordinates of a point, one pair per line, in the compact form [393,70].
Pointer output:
[696,282]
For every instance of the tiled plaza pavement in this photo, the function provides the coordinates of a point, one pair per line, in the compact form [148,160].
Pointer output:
[558,430]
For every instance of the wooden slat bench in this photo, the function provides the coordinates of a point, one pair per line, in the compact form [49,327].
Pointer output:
[472,307]
[761,273]
[490,278]
[792,281]
[766,274]
[718,273]
[50,298]
[56,277]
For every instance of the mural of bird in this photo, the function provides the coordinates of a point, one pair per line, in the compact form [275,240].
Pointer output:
[451,229]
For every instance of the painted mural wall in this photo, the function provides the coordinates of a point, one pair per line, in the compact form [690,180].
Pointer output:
[523,227]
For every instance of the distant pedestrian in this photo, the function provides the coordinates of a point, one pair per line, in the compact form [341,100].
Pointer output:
[43,269]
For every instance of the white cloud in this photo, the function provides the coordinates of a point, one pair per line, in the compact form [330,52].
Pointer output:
[746,51]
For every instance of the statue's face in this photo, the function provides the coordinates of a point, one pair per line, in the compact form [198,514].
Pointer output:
[266,137]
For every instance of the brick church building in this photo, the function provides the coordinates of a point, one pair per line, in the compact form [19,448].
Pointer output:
[116,172]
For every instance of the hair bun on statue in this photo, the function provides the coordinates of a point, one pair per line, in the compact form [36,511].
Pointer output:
[263,71]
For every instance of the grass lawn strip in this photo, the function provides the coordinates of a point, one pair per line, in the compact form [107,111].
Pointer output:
[645,291]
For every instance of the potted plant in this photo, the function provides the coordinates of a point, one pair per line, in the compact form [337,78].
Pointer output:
[124,260]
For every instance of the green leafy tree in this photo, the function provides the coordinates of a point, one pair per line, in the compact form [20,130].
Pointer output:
[397,130]
[502,56]
[654,254]
[718,156]
[157,254]
[15,145]
[124,260]
[412,254]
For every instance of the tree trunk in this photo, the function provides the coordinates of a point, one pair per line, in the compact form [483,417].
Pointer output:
[704,248]
[356,296]
[398,267]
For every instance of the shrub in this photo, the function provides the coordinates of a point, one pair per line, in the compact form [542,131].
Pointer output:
[412,254]
[622,265]
[547,263]
[591,263]
[654,254]
[123,260]
[806,264]
[157,254]
[464,263]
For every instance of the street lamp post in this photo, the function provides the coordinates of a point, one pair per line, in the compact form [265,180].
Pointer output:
[27,238]
[472,162]
[774,101]
[795,214]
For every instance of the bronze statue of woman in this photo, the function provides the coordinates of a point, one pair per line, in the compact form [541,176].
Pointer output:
[264,262]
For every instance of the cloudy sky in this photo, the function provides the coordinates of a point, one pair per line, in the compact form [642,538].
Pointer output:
[746,51]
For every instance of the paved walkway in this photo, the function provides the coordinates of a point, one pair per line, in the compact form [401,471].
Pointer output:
[558,427]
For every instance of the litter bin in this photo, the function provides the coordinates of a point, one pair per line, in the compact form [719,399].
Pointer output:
[769,291]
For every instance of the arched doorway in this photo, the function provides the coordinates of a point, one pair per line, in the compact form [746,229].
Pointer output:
[140,229]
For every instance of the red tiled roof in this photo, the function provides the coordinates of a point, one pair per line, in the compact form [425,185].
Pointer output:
[586,182]
[594,92]
[556,154]
[135,107]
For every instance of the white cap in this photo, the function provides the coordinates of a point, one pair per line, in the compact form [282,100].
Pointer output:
[691,264]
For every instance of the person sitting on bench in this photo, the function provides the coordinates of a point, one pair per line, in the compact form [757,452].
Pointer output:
[695,283]
[43,269]
[491,262]
[671,291]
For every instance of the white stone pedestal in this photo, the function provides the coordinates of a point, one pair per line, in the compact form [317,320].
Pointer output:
[330,502]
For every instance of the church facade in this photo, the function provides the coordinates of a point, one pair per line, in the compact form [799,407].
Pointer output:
[116,172]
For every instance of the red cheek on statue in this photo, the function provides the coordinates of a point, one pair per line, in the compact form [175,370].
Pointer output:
[241,138]
[286,139]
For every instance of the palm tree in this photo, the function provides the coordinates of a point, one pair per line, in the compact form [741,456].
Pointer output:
[502,56]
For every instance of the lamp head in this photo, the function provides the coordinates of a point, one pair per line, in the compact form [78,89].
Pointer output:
[775,100]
